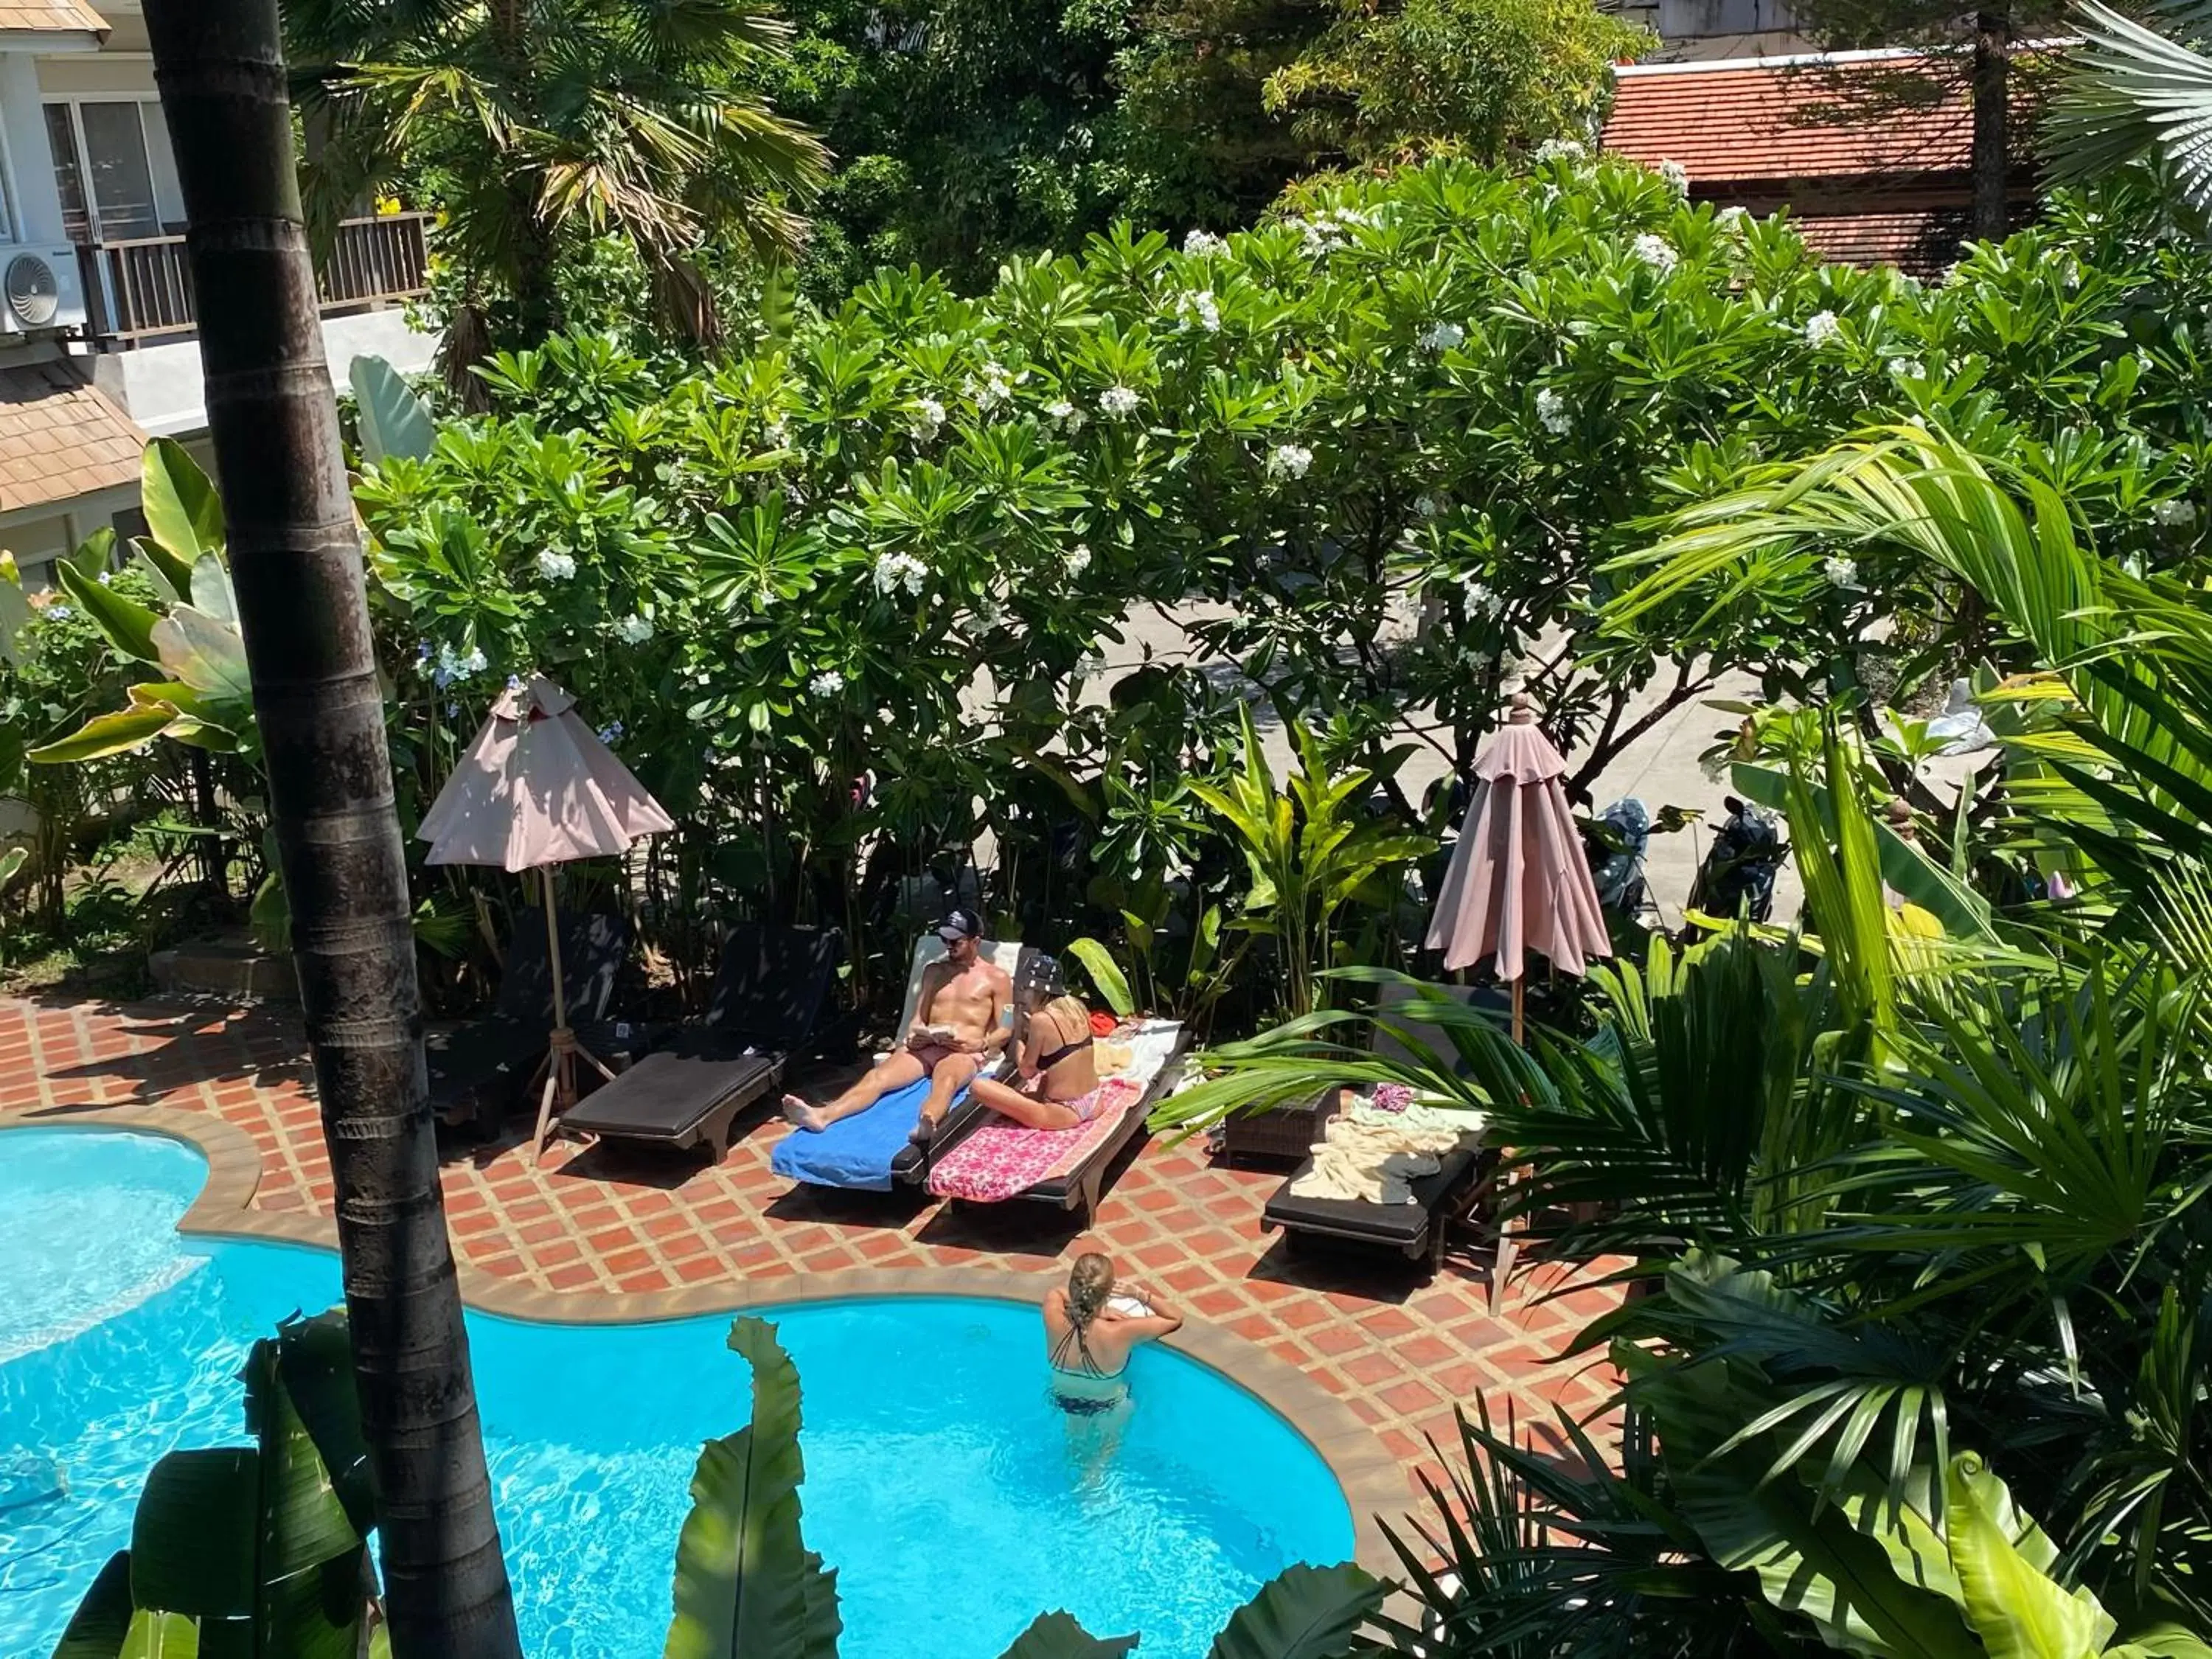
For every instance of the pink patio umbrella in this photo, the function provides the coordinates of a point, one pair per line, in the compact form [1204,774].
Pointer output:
[537,789]
[1518,880]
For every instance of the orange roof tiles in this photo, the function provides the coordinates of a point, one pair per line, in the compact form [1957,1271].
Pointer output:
[1795,121]
[59,438]
[46,15]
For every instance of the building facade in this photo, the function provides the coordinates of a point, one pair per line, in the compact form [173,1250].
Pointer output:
[97,348]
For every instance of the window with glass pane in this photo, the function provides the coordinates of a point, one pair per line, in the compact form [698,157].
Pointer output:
[122,183]
[68,179]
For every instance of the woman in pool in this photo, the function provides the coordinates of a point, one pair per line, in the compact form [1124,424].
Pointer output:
[1055,1060]
[1089,1333]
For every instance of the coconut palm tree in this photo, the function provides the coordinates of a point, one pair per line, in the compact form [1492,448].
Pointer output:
[296,566]
[533,120]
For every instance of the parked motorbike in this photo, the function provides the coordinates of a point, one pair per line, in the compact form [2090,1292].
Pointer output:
[1615,842]
[1736,878]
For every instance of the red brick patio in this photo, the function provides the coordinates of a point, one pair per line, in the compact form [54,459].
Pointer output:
[1399,1352]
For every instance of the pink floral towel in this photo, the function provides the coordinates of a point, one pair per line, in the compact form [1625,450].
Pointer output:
[1003,1157]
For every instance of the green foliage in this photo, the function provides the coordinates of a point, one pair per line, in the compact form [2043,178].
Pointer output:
[251,1551]
[1482,78]
[594,117]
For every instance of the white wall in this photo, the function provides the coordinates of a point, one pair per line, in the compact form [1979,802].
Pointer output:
[30,167]
[159,387]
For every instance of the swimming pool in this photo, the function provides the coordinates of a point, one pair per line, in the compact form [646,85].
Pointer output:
[954,1499]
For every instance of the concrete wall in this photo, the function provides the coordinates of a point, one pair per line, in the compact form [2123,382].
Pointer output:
[23,153]
[160,387]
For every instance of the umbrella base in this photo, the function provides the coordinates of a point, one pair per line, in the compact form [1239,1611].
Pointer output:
[554,1082]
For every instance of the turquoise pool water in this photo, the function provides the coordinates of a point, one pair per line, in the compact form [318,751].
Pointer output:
[954,1499]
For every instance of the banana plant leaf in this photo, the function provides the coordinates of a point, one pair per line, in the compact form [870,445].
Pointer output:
[393,420]
[1058,1635]
[1303,1612]
[203,651]
[184,514]
[746,1585]
[104,735]
[128,625]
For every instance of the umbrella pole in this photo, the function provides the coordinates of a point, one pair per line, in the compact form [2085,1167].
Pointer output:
[559,1093]
[1520,1030]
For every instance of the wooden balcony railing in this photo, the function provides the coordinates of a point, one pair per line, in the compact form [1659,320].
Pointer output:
[137,290]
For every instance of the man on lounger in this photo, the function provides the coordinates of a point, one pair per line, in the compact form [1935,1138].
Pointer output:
[960,1021]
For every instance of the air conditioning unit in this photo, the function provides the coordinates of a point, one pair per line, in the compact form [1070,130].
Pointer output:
[40,290]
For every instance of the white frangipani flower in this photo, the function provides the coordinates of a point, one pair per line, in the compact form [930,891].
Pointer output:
[1481,601]
[1732,218]
[1559,150]
[1065,415]
[2174,513]
[1441,336]
[929,417]
[1201,304]
[1118,403]
[1675,174]
[1552,412]
[1079,558]
[1427,506]
[827,683]
[1200,243]
[995,387]
[896,570]
[556,567]
[1288,461]
[1822,329]
[1841,572]
[632,631]
[1657,251]
[778,433]
[1908,368]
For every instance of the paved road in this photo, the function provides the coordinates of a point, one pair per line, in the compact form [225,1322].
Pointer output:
[1660,768]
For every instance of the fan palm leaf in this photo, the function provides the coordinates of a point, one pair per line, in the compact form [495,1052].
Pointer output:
[2131,92]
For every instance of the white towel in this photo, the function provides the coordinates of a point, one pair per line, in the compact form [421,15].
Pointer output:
[1375,1156]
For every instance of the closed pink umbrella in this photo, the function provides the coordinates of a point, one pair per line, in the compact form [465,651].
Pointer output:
[1518,880]
[535,788]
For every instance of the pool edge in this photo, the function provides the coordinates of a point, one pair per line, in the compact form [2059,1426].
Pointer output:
[1371,1477]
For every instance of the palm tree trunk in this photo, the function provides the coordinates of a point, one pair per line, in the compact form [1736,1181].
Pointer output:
[295,561]
[1991,167]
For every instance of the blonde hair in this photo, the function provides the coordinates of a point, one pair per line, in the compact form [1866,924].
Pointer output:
[1069,1013]
[1089,1286]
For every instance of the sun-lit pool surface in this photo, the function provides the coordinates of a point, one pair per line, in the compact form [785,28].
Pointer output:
[954,1499]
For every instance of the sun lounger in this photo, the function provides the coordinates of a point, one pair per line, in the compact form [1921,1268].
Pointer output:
[872,1151]
[994,1158]
[1419,1229]
[771,993]
[476,1071]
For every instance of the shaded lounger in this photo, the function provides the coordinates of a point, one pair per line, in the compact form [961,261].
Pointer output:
[771,993]
[873,1150]
[996,1158]
[1422,1228]
[476,1071]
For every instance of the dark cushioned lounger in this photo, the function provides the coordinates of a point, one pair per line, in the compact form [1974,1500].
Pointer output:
[1417,1229]
[770,994]
[477,1071]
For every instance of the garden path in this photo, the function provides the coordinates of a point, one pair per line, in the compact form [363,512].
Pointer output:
[1398,1350]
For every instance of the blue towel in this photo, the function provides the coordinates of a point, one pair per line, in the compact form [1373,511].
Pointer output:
[855,1152]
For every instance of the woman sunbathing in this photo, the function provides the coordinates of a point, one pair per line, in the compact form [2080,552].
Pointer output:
[1054,1060]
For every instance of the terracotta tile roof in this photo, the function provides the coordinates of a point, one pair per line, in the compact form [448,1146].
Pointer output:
[1794,120]
[1921,242]
[59,438]
[47,16]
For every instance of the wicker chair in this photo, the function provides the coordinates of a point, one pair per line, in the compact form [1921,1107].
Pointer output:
[1286,1133]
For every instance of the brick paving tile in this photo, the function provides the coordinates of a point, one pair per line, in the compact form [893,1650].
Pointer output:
[1397,1347]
